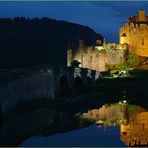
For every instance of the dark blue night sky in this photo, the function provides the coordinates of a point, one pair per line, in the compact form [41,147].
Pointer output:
[104,17]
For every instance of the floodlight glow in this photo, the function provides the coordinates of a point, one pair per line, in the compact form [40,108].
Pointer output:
[124,101]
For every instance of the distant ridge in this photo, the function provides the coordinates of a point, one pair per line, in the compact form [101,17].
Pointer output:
[30,42]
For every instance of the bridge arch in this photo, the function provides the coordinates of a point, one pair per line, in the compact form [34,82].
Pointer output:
[78,84]
[64,85]
[89,83]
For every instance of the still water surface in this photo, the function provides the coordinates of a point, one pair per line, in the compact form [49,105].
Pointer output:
[88,136]
[113,125]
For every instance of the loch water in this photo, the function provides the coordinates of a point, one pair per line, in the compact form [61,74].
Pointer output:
[118,125]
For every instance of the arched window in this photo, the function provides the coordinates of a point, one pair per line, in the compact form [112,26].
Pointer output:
[142,41]
[124,35]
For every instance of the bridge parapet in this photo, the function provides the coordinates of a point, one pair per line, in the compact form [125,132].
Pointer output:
[84,73]
[89,73]
[46,85]
[77,72]
[97,75]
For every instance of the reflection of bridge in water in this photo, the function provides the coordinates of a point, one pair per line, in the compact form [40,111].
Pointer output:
[48,121]
[135,133]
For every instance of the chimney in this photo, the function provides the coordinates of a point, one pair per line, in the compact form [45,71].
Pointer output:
[141,15]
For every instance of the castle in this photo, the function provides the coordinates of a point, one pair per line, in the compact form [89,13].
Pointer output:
[97,56]
[135,33]
[133,38]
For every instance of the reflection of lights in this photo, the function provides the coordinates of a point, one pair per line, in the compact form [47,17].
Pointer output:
[98,126]
[99,122]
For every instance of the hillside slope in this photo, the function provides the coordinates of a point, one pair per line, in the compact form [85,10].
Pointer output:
[29,42]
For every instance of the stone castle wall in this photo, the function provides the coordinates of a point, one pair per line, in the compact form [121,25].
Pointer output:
[90,60]
[94,59]
[116,53]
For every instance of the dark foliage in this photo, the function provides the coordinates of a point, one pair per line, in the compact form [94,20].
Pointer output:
[75,63]
[28,42]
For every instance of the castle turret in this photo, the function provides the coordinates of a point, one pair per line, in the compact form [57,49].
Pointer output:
[141,15]
[134,34]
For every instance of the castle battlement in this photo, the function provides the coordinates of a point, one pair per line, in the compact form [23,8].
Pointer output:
[140,18]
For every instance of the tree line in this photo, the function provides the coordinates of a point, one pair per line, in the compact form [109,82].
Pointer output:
[39,41]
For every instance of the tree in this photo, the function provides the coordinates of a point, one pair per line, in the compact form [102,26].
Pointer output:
[75,63]
[132,60]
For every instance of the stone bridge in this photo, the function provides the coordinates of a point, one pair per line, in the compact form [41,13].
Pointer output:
[76,77]
[45,83]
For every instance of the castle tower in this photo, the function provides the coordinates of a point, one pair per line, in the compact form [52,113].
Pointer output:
[141,15]
[135,33]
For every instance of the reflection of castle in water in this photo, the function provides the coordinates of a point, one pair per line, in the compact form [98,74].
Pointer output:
[113,114]
[135,133]
[133,125]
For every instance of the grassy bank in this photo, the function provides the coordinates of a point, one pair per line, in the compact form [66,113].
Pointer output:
[133,88]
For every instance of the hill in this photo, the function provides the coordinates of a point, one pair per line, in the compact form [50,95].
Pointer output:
[37,41]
